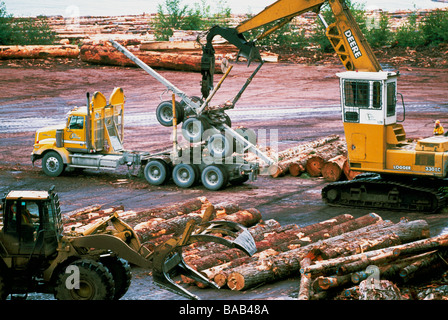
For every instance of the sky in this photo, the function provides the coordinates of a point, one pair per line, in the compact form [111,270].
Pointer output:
[71,8]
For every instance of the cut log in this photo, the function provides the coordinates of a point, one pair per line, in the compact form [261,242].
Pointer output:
[247,218]
[411,248]
[166,212]
[287,263]
[276,239]
[315,163]
[305,281]
[39,52]
[108,55]
[332,170]
[314,166]
[298,154]
[296,169]
[348,172]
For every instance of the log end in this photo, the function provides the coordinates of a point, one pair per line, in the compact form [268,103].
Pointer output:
[235,281]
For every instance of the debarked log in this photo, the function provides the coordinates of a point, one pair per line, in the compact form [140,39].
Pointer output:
[39,52]
[108,55]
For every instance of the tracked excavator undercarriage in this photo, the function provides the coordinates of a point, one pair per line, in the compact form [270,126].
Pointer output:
[376,191]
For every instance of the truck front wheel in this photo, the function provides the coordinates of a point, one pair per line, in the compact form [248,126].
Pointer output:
[52,164]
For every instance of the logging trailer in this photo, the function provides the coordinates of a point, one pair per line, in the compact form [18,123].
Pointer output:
[398,174]
[35,255]
[92,138]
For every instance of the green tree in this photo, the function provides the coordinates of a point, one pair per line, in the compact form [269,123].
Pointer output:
[173,15]
[434,27]
[409,34]
[24,31]
[5,25]
[169,17]
[379,34]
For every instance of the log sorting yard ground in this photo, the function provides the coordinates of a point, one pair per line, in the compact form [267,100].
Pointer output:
[297,102]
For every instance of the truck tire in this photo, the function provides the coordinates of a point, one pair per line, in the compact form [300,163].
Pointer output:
[185,175]
[214,177]
[95,282]
[52,164]
[220,146]
[164,113]
[121,272]
[156,172]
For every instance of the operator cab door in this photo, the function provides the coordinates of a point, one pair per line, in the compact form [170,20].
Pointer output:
[21,231]
[75,134]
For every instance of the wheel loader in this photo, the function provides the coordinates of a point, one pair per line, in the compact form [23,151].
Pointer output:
[36,255]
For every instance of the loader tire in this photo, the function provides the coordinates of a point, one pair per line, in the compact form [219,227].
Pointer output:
[52,164]
[95,282]
[121,272]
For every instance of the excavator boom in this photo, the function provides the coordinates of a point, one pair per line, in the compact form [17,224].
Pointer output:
[344,35]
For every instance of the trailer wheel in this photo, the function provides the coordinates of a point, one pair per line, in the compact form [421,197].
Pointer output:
[164,113]
[121,272]
[214,177]
[52,164]
[95,282]
[193,130]
[185,175]
[156,172]
[220,146]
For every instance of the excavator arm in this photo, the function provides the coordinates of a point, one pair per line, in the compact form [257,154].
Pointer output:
[344,35]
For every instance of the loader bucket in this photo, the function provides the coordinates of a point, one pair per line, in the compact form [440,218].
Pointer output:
[168,260]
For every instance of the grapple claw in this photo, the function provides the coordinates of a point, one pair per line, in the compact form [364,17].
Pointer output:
[168,260]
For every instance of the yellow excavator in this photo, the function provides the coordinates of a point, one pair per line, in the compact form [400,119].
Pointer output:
[398,174]
[37,256]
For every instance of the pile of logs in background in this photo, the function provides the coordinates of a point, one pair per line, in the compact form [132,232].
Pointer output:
[343,257]
[325,157]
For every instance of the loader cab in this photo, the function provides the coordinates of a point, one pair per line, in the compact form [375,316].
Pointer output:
[369,113]
[31,223]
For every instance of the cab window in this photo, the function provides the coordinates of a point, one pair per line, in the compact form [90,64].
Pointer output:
[76,122]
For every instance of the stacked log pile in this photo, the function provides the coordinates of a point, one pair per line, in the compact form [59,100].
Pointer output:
[336,258]
[325,157]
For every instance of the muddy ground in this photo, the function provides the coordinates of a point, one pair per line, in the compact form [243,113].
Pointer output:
[299,102]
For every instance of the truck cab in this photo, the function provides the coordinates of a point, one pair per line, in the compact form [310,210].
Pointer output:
[92,137]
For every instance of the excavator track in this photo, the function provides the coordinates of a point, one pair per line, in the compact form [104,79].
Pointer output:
[382,192]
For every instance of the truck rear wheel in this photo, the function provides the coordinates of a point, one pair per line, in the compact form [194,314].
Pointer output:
[95,282]
[52,164]
[214,177]
[156,172]
[185,175]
